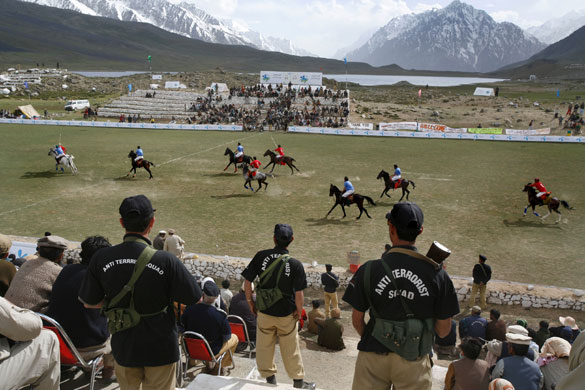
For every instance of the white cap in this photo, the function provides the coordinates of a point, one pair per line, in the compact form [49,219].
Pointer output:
[162,232]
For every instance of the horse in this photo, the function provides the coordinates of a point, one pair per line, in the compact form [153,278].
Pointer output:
[553,203]
[139,164]
[260,177]
[356,198]
[65,160]
[282,161]
[389,184]
[242,159]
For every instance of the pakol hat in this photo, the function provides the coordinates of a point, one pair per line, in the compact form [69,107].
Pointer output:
[569,321]
[5,244]
[515,338]
[500,384]
[53,242]
[136,207]
[406,216]
[171,231]
[476,309]
[517,329]
[162,232]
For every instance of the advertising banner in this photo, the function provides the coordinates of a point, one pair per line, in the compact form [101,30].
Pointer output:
[486,130]
[156,126]
[398,126]
[157,76]
[528,132]
[296,78]
[361,126]
[172,84]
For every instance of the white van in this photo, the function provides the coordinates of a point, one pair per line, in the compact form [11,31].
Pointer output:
[73,105]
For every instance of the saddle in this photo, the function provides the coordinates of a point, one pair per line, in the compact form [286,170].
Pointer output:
[350,198]
[239,159]
[397,183]
[546,198]
[139,163]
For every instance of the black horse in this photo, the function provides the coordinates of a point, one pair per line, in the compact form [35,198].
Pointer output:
[139,164]
[389,184]
[282,161]
[260,177]
[551,202]
[242,159]
[355,198]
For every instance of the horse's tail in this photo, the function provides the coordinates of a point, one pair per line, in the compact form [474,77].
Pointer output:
[566,205]
[413,185]
[370,200]
[151,163]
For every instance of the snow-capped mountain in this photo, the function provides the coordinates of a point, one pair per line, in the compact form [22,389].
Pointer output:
[556,29]
[457,38]
[184,19]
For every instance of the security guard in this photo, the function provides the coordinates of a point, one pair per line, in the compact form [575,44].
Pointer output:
[404,291]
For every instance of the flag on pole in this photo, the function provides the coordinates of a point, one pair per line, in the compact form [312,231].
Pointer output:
[345,60]
[149,58]
[420,93]
[558,92]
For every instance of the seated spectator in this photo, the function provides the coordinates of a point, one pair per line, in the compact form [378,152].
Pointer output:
[542,334]
[576,377]
[240,308]
[499,349]
[226,294]
[219,303]
[568,329]
[446,346]
[32,285]
[29,354]
[159,241]
[212,323]
[496,328]
[469,372]
[501,384]
[554,361]
[313,315]
[87,328]
[7,269]
[474,326]
[521,371]
[331,331]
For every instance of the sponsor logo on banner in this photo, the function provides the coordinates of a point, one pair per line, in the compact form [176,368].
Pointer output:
[296,78]
[487,130]
[431,127]
[398,126]
[528,132]
[157,76]
[361,126]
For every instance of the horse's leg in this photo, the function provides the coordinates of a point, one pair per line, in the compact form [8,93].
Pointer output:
[361,208]
[150,173]
[291,170]
[402,195]
[334,205]
[269,164]
[295,167]
[546,216]
[343,208]
[526,210]
[265,185]
[226,167]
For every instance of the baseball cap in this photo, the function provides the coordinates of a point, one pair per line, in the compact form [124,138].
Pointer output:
[53,242]
[482,257]
[210,289]
[5,243]
[283,232]
[136,207]
[406,216]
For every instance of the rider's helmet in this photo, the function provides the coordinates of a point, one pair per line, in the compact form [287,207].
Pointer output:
[345,178]
[254,158]
[536,179]
[56,146]
[395,166]
[138,147]
[279,146]
[239,144]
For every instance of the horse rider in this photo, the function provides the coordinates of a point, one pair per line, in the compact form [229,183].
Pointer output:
[280,154]
[239,152]
[254,166]
[60,152]
[139,154]
[540,188]
[348,190]
[397,176]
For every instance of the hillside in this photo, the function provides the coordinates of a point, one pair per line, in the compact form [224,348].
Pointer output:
[31,34]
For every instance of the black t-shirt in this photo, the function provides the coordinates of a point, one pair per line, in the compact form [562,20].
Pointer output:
[153,342]
[427,292]
[293,279]
[210,322]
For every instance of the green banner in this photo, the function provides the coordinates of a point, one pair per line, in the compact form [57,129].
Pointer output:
[485,131]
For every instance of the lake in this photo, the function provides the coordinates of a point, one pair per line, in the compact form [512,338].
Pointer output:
[372,80]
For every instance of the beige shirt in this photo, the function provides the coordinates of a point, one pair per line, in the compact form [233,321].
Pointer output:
[16,324]
[174,244]
[314,314]
[33,283]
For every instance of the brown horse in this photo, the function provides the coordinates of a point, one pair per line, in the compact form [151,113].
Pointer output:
[552,203]
[139,164]
[356,198]
[389,184]
[284,159]
[241,160]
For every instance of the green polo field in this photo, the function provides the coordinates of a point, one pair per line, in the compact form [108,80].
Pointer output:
[470,192]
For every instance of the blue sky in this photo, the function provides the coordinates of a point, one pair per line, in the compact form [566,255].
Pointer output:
[324,26]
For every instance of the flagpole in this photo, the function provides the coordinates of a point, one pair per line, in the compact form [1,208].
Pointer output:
[345,60]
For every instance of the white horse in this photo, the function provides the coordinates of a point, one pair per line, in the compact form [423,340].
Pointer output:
[260,177]
[64,160]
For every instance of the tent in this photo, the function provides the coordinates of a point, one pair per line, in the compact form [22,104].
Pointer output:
[29,111]
[221,87]
[484,92]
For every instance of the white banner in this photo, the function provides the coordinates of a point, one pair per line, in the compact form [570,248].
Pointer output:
[398,126]
[156,126]
[361,126]
[296,78]
[172,84]
[22,249]
[418,126]
[157,76]
[435,135]
[528,132]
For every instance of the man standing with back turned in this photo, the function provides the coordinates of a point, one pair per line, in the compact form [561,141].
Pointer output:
[482,273]
[146,351]
[404,291]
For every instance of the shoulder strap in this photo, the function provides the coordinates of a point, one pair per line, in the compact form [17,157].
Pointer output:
[141,262]
[417,255]
[271,268]
[483,269]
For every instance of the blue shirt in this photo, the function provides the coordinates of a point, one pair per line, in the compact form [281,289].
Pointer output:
[139,152]
[240,148]
[473,326]
[348,186]
[59,151]
[397,172]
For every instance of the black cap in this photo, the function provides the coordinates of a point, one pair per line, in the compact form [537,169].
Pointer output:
[406,216]
[210,289]
[136,207]
[283,232]
[482,257]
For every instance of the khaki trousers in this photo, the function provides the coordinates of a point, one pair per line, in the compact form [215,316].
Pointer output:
[147,378]
[482,301]
[330,299]
[231,344]
[34,362]
[378,372]
[105,349]
[285,328]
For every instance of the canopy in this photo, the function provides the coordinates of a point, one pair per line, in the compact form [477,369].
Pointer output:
[29,111]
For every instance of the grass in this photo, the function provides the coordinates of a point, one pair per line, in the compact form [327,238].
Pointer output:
[470,193]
